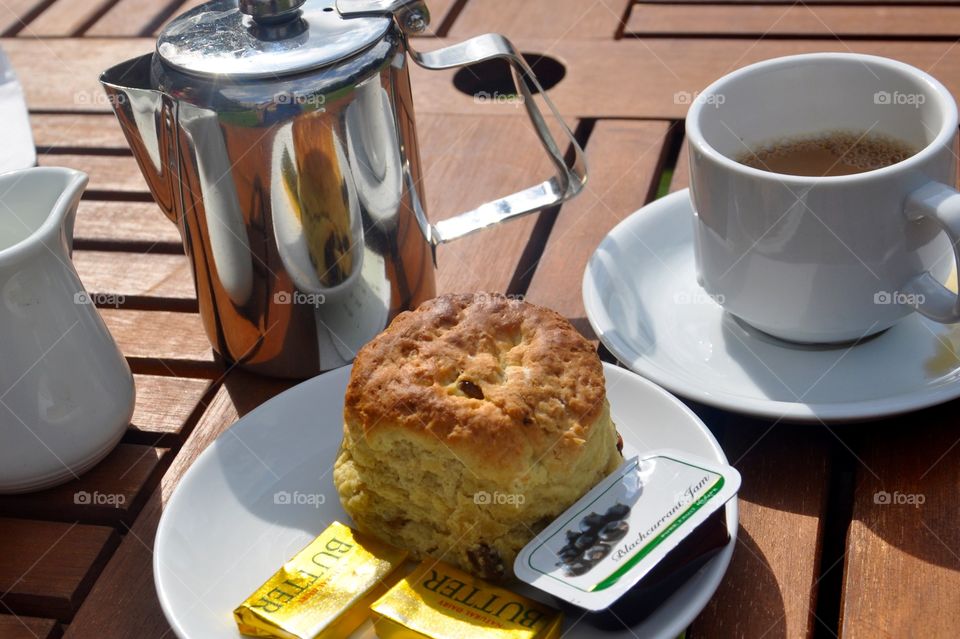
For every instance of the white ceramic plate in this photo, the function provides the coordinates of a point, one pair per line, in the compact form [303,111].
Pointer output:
[223,533]
[643,301]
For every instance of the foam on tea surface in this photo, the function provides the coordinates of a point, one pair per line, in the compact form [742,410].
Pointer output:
[827,154]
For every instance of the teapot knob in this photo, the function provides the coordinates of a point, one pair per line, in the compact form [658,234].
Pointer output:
[271,11]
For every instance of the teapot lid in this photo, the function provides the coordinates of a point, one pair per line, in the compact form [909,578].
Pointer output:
[249,39]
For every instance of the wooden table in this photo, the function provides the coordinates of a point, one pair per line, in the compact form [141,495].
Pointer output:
[816,555]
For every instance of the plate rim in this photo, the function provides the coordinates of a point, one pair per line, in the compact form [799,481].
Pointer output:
[779,410]
[671,629]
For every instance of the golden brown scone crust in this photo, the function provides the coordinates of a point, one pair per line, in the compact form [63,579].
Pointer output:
[469,425]
[504,384]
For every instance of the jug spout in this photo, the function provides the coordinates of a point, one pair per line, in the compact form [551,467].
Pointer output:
[148,118]
[39,207]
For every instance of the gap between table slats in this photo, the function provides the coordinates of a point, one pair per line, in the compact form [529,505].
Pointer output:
[797,20]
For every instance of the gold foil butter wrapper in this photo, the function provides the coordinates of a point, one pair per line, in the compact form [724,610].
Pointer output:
[438,601]
[325,591]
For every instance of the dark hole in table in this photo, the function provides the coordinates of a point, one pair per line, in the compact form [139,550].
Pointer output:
[492,80]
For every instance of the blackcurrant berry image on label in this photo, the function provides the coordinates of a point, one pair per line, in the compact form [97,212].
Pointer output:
[584,541]
[578,568]
[617,511]
[568,554]
[592,522]
[614,531]
[589,545]
[596,553]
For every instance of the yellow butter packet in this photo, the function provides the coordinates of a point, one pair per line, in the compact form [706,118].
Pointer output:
[438,601]
[324,591]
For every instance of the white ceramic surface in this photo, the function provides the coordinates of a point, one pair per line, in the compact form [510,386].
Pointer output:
[66,392]
[643,301]
[825,259]
[223,531]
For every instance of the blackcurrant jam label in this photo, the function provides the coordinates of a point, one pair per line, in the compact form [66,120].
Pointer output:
[615,534]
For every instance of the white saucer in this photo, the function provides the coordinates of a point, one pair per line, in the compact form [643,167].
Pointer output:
[644,303]
[223,533]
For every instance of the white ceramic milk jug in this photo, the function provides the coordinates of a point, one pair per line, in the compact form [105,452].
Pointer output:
[66,392]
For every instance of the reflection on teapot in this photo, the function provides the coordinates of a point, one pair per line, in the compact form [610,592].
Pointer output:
[229,244]
[374,154]
[331,226]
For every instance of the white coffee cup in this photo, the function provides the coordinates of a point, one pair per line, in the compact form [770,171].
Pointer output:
[825,259]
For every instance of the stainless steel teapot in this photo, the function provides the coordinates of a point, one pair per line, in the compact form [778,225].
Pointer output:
[279,136]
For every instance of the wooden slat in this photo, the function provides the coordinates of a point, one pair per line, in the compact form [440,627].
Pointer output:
[134,280]
[13,627]
[595,84]
[164,406]
[568,19]
[108,173]
[661,69]
[64,72]
[123,604]
[161,342]
[467,161]
[623,157]
[74,64]
[110,493]
[132,226]
[134,17]
[902,565]
[815,2]
[770,588]
[799,19]
[65,18]
[46,568]
[15,14]
[185,6]
[78,131]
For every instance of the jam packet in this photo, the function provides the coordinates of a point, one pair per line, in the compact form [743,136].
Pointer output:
[324,591]
[439,601]
[617,533]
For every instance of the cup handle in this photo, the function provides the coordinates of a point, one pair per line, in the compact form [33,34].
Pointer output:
[940,203]
[570,176]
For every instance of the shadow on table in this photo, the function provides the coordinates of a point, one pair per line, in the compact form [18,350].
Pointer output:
[907,476]
[248,391]
[784,501]
[751,587]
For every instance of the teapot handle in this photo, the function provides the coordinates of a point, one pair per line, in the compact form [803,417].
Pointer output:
[412,16]
[570,177]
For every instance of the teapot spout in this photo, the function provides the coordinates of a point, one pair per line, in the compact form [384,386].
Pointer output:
[148,119]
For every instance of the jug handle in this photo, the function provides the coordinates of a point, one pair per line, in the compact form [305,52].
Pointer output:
[571,175]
